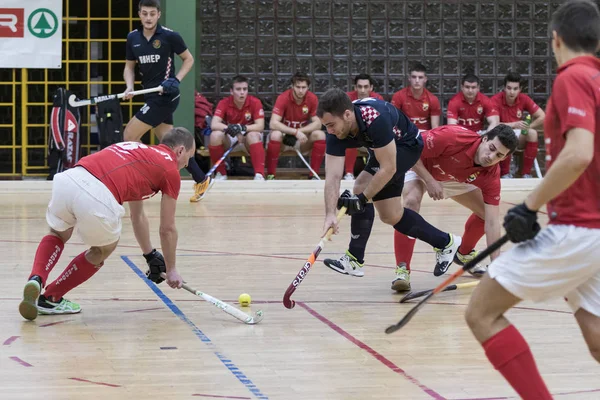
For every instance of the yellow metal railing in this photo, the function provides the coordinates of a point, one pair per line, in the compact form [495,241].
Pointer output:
[9,145]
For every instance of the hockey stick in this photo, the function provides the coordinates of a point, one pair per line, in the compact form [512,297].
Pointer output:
[234,142]
[99,99]
[307,164]
[478,258]
[287,301]
[228,308]
[414,295]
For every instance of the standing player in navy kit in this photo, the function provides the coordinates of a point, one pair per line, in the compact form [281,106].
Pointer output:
[394,145]
[153,47]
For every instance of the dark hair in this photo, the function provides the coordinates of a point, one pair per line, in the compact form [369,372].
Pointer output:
[418,67]
[505,135]
[512,77]
[471,78]
[362,77]
[179,136]
[577,22]
[300,77]
[334,101]
[149,3]
[238,79]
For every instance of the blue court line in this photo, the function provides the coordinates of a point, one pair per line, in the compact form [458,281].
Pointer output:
[225,360]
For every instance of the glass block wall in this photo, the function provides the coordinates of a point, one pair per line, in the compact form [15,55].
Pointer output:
[333,40]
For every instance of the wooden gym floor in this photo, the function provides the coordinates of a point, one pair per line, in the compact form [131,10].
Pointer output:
[135,340]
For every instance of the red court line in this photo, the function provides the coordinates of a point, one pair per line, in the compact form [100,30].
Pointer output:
[379,357]
[144,309]
[23,363]
[54,323]
[220,397]
[10,340]
[95,383]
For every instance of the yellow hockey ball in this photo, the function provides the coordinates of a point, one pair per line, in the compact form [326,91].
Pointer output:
[244,299]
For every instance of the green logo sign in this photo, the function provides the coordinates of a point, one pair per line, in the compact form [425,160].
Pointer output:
[42,23]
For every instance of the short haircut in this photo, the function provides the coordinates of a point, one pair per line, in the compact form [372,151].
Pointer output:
[471,78]
[149,3]
[179,136]
[300,77]
[505,135]
[335,102]
[577,22]
[513,77]
[238,79]
[363,77]
[418,67]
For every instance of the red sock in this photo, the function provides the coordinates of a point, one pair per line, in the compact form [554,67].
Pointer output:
[403,248]
[77,272]
[351,155]
[529,155]
[273,149]
[509,353]
[474,230]
[48,252]
[216,152]
[257,156]
[505,165]
[317,155]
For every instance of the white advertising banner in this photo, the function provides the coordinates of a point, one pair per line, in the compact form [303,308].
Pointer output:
[30,33]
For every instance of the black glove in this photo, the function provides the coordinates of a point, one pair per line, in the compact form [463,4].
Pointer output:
[235,129]
[289,140]
[170,86]
[156,263]
[521,223]
[354,203]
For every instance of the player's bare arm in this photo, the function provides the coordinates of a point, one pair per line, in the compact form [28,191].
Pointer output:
[276,125]
[434,188]
[538,119]
[492,121]
[186,66]
[435,121]
[217,124]
[315,124]
[568,166]
[386,156]
[168,239]
[334,170]
[257,126]
[492,227]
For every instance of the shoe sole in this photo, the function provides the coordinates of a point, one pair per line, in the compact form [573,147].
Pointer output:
[400,285]
[441,271]
[50,311]
[331,267]
[28,308]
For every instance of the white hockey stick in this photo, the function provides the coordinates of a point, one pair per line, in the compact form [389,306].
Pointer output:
[228,308]
[306,163]
[99,99]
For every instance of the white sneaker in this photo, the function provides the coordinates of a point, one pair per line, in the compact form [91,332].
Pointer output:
[527,176]
[220,177]
[445,256]
[478,270]
[507,176]
[259,177]
[346,264]
[402,281]
[348,177]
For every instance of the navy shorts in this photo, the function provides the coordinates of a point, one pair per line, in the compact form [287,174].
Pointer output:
[158,110]
[407,155]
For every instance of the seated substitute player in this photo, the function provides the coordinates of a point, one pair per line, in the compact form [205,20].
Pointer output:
[394,146]
[90,197]
[461,165]
[511,103]
[363,88]
[240,115]
[469,107]
[418,103]
[294,119]
[562,259]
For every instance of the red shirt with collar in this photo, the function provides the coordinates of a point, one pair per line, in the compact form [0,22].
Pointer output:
[229,112]
[513,113]
[293,114]
[448,154]
[354,95]
[419,110]
[472,115]
[575,103]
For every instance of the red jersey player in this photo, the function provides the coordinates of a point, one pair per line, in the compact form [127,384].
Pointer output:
[418,103]
[294,114]
[562,259]
[511,103]
[469,107]
[363,88]
[461,165]
[90,197]
[247,113]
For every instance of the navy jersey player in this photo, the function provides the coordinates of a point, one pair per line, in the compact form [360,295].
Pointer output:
[394,145]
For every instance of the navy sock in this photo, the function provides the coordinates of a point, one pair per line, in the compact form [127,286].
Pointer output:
[194,169]
[412,224]
[360,228]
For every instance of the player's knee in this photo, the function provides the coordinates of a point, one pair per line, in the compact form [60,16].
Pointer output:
[390,218]
[216,138]
[532,135]
[474,317]
[317,135]
[253,137]
[276,136]
[412,203]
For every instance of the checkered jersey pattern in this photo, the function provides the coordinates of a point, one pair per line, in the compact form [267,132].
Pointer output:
[368,114]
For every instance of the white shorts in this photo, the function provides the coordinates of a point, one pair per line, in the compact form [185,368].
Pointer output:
[451,188]
[561,261]
[79,199]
